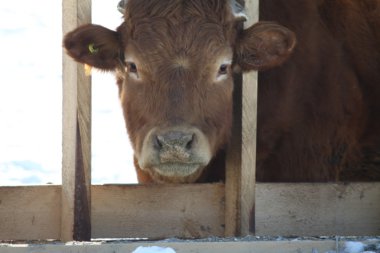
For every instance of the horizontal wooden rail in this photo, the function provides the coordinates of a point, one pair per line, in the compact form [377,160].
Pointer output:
[155,211]
[283,246]
[197,210]
[318,209]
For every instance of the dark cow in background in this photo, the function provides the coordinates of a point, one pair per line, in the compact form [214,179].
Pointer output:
[318,113]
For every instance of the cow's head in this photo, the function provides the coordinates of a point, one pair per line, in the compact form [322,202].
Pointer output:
[174,62]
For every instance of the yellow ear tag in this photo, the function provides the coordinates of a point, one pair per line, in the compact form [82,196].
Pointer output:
[92,48]
[87,70]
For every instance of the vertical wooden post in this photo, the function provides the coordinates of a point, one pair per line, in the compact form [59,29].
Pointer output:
[241,158]
[249,125]
[76,158]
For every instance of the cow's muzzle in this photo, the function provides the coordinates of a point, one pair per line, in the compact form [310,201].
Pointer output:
[175,155]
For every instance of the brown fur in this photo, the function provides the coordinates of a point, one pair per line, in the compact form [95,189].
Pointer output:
[318,114]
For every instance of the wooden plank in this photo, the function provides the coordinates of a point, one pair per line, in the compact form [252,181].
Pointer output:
[135,211]
[157,211]
[318,209]
[233,166]
[31,212]
[248,152]
[241,156]
[76,170]
[184,247]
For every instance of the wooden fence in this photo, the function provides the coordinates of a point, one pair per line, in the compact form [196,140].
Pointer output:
[188,211]
[79,211]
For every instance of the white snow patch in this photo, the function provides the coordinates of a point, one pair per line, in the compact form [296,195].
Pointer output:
[353,247]
[153,249]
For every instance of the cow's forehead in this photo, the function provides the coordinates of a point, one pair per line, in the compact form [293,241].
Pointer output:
[178,33]
[175,10]
[181,37]
[186,45]
[179,21]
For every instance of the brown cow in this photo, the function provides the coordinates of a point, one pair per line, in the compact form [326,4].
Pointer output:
[319,113]
[174,61]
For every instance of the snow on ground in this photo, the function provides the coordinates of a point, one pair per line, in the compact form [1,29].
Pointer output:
[31,99]
[354,247]
[357,247]
[153,249]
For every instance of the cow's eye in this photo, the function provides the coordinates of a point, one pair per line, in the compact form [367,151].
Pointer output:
[223,69]
[132,68]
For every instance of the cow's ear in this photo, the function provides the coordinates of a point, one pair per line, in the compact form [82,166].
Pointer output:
[94,45]
[263,45]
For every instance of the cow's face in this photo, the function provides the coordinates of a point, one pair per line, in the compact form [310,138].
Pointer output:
[174,62]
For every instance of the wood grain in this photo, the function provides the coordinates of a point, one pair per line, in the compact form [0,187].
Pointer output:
[248,152]
[157,212]
[76,165]
[241,156]
[33,212]
[183,247]
[233,165]
[318,209]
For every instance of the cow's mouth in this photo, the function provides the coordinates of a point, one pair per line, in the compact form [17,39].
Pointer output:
[176,172]
[174,155]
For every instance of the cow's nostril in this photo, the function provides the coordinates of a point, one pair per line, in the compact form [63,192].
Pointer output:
[174,140]
[189,144]
[157,142]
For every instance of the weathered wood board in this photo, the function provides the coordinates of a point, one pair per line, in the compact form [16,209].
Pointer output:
[33,212]
[154,211]
[241,156]
[137,211]
[180,247]
[248,150]
[76,135]
[318,209]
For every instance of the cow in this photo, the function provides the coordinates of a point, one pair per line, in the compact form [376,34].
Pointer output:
[319,113]
[319,85]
